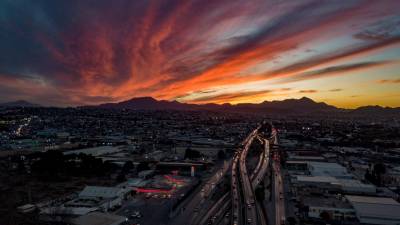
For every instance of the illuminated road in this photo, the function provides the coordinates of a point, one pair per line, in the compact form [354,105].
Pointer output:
[198,205]
[250,213]
[241,200]
[279,195]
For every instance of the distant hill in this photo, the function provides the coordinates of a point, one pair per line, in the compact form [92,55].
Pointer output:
[302,106]
[377,110]
[19,103]
[292,106]
[147,103]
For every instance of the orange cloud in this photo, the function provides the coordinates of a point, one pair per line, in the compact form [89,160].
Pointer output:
[392,81]
[308,91]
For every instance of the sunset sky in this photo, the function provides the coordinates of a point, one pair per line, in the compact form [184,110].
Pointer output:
[69,52]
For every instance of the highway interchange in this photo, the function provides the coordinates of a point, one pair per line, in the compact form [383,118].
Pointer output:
[239,206]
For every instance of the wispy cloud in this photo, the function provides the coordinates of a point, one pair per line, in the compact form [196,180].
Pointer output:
[391,81]
[166,49]
[332,70]
[336,90]
[308,91]
[229,97]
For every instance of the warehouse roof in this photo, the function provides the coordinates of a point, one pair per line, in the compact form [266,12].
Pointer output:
[376,207]
[97,218]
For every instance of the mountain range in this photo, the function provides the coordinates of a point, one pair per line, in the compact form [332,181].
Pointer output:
[19,103]
[289,106]
[300,106]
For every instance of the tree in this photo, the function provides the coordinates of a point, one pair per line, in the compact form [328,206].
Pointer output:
[324,215]
[121,177]
[379,170]
[192,154]
[142,166]
[221,154]
[367,176]
[128,166]
[291,220]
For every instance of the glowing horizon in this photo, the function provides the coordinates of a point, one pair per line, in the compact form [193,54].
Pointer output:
[68,53]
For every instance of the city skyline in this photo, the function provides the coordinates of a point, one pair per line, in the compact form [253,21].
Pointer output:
[68,53]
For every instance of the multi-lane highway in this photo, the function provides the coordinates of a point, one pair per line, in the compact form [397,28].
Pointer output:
[196,206]
[239,206]
[262,166]
[279,196]
[250,213]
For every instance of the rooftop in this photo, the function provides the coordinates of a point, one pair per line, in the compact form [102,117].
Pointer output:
[326,201]
[97,191]
[375,207]
[97,218]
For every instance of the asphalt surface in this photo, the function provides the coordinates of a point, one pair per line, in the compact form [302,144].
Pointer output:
[200,200]
[279,196]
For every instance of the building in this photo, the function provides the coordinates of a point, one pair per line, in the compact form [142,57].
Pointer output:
[337,209]
[96,198]
[314,168]
[95,151]
[328,169]
[98,218]
[375,210]
[101,192]
[297,167]
[328,183]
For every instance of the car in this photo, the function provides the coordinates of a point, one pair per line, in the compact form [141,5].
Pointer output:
[249,206]
[196,209]
[136,214]
[249,221]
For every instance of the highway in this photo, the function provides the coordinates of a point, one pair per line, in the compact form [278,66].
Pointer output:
[279,195]
[241,199]
[236,196]
[250,213]
[200,200]
[262,165]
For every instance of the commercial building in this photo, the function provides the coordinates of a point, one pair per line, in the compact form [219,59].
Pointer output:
[98,218]
[96,198]
[329,183]
[336,209]
[375,210]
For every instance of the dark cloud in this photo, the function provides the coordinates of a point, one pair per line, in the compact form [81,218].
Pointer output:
[308,91]
[331,57]
[79,52]
[332,70]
